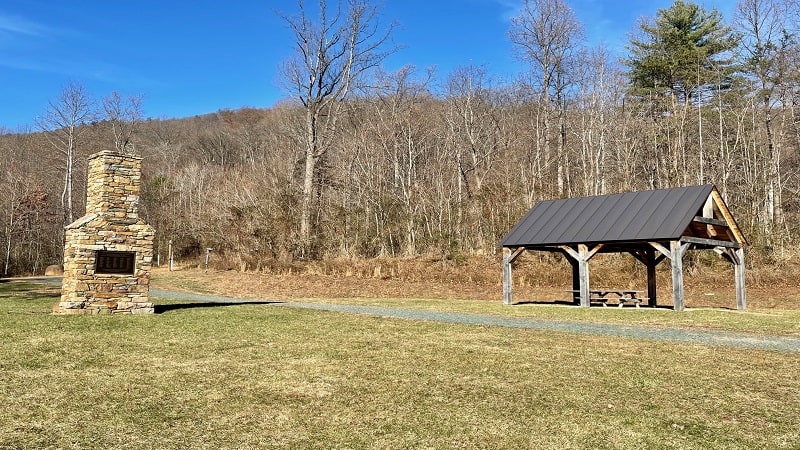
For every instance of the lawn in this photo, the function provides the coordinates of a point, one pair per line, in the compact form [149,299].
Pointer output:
[267,376]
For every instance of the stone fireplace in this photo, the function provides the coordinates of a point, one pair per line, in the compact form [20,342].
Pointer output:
[108,253]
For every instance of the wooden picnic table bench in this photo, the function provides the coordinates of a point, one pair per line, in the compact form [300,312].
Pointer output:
[622,296]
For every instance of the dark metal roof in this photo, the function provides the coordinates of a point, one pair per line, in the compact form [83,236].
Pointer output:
[657,215]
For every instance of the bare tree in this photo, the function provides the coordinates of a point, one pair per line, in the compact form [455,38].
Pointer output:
[61,122]
[770,47]
[123,116]
[547,34]
[474,126]
[401,138]
[601,89]
[332,53]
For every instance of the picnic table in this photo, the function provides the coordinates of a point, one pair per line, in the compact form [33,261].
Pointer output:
[622,296]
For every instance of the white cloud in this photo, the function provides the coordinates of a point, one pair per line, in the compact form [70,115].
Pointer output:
[511,8]
[17,25]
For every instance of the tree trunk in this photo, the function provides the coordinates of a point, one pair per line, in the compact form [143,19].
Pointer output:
[66,195]
[311,159]
[8,244]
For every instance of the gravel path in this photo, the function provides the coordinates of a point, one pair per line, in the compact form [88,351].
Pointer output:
[712,338]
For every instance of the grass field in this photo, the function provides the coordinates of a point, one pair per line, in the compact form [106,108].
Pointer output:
[259,376]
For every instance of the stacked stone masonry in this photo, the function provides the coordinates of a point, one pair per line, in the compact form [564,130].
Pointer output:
[111,224]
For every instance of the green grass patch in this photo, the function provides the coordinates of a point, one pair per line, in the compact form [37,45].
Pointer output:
[259,376]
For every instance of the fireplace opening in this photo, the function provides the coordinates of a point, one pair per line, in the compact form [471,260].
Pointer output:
[116,263]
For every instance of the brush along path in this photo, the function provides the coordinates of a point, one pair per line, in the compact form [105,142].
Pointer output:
[712,338]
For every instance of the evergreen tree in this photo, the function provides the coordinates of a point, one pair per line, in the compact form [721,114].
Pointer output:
[685,48]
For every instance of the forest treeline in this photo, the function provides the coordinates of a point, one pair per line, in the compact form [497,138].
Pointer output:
[412,162]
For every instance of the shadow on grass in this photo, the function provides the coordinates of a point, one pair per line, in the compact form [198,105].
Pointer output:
[38,294]
[593,305]
[161,309]
[27,290]
[547,302]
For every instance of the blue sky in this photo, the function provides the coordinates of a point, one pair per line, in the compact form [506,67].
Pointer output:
[196,57]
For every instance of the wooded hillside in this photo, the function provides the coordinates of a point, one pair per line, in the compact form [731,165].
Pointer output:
[422,163]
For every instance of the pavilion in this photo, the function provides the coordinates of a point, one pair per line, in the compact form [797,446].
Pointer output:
[652,226]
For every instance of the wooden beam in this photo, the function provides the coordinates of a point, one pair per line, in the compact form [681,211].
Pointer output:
[661,249]
[710,221]
[646,256]
[726,214]
[711,225]
[726,254]
[587,253]
[548,249]
[709,242]
[593,251]
[638,255]
[708,213]
[729,254]
[569,251]
[708,207]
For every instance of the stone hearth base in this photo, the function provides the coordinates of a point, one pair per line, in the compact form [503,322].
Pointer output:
[107,307]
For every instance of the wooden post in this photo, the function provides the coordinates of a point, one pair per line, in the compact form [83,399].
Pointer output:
[677,249]
[507,299]
[647,256]
[170,255]
[582,257]
[741,297]
[572,259]
[508,258]
[652,291]
[576,281]
[651,264]
[583,273]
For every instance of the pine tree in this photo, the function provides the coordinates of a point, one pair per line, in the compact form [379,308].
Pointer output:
[683,50]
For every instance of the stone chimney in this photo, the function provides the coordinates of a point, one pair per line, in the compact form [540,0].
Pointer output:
[108,253]
[112,188]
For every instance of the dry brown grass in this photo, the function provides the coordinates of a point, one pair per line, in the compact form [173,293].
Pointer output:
[537,278]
